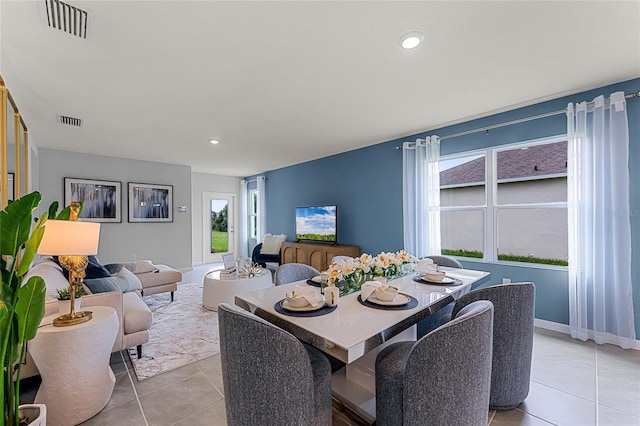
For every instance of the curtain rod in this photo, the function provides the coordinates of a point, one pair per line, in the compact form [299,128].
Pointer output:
[253,180]
[520,120]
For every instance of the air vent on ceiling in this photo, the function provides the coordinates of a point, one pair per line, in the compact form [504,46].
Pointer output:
[70,121]
[67,18]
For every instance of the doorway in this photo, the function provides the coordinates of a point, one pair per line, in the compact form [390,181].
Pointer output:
[218,226]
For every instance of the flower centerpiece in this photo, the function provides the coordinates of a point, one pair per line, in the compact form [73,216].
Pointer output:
[350,274]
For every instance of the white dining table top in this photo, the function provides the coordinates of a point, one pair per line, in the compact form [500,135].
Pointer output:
[353,329]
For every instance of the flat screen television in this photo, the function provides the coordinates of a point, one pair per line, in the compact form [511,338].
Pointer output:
[317,223]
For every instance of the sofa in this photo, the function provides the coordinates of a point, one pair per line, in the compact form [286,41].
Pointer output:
[133,314]
[163,279]
[154,278]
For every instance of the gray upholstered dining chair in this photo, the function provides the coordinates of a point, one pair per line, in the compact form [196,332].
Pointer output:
[443,378]
[446,261]
[269,376]
[290,272]
[336,259]
[434,320]
[513,306]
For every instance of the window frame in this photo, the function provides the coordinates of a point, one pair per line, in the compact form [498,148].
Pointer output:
[254,213]
[491,208]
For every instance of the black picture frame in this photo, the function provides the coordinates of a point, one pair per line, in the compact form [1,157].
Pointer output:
[149,202]
[101,199]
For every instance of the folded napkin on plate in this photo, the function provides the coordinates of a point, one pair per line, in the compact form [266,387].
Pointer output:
[425,266]
[369,288]
[309,293]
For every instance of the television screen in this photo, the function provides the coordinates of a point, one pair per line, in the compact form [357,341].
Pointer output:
[317,224]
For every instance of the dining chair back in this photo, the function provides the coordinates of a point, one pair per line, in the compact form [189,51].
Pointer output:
[443,378]
[336,259]
[513,306]
[269,376]
[290,272]
[446,261]
[436,319]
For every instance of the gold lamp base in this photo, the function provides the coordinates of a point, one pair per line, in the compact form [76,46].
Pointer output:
[69,319]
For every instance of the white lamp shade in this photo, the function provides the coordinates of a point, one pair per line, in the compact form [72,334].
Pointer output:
[69,238]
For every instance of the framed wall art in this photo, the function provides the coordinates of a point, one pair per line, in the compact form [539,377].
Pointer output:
[101,199]
[150,203]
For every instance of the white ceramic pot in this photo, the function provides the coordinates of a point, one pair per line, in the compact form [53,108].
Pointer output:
[36,414]
[64,306]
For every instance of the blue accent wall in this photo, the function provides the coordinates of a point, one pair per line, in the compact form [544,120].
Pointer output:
[366,185]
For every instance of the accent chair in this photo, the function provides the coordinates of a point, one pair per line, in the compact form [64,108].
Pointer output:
[443,378]
[269,376]
[512,339]
[290,272]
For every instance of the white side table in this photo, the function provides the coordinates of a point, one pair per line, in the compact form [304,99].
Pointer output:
[73,361]
[215,290]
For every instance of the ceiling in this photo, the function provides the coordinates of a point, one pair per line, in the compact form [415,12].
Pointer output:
[279,83]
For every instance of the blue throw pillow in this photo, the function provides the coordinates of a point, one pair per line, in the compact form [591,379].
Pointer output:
[94,269]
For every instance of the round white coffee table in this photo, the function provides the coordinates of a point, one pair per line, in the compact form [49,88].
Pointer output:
[216,291]
[74,364]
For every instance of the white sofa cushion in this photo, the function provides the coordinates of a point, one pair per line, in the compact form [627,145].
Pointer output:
[137,267]
[51,273]
[271,243]
[138,316]
[124,281]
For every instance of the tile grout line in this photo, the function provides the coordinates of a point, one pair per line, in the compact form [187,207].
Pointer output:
[135,391]
[491,417]
[209,380]
[205,408]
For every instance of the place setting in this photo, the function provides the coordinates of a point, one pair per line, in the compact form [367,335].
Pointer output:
[315,281]
[427,272]
[303,301]
[378,295]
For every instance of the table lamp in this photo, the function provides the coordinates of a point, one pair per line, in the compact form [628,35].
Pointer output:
[72,242]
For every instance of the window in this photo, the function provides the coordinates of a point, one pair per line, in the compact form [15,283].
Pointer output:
[254,213]
[463,202]
[507,203]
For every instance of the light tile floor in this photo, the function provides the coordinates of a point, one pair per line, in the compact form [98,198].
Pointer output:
[572,383]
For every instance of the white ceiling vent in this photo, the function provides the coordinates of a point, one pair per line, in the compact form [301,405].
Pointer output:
[70,121]
[65,17]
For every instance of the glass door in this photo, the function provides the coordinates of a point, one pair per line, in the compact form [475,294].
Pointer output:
[218,227]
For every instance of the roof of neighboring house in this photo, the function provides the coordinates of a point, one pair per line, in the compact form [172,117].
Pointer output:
[519,163]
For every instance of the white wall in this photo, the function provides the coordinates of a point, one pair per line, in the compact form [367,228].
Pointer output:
[168,243]
[200,183]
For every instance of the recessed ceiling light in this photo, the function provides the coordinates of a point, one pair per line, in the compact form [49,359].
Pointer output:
[411,40]
[214,141]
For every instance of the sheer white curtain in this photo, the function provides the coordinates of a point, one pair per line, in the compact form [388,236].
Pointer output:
[600,300]
[244,219]
[262,211]
[421,196]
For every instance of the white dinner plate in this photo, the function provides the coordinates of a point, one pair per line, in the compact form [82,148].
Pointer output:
[317,279]
[445,280]
[307,308]
[401,299]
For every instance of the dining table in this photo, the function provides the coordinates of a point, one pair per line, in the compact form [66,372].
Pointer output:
[355,330]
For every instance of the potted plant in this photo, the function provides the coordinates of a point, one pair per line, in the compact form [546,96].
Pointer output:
[22,305]
[64,299]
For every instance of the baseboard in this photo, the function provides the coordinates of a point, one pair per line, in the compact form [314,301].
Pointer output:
[553,326]
[563,328]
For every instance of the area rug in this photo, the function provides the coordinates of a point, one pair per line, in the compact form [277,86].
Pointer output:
[183,332]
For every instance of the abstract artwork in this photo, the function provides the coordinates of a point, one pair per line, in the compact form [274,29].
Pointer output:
[150,202]
[100,198]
